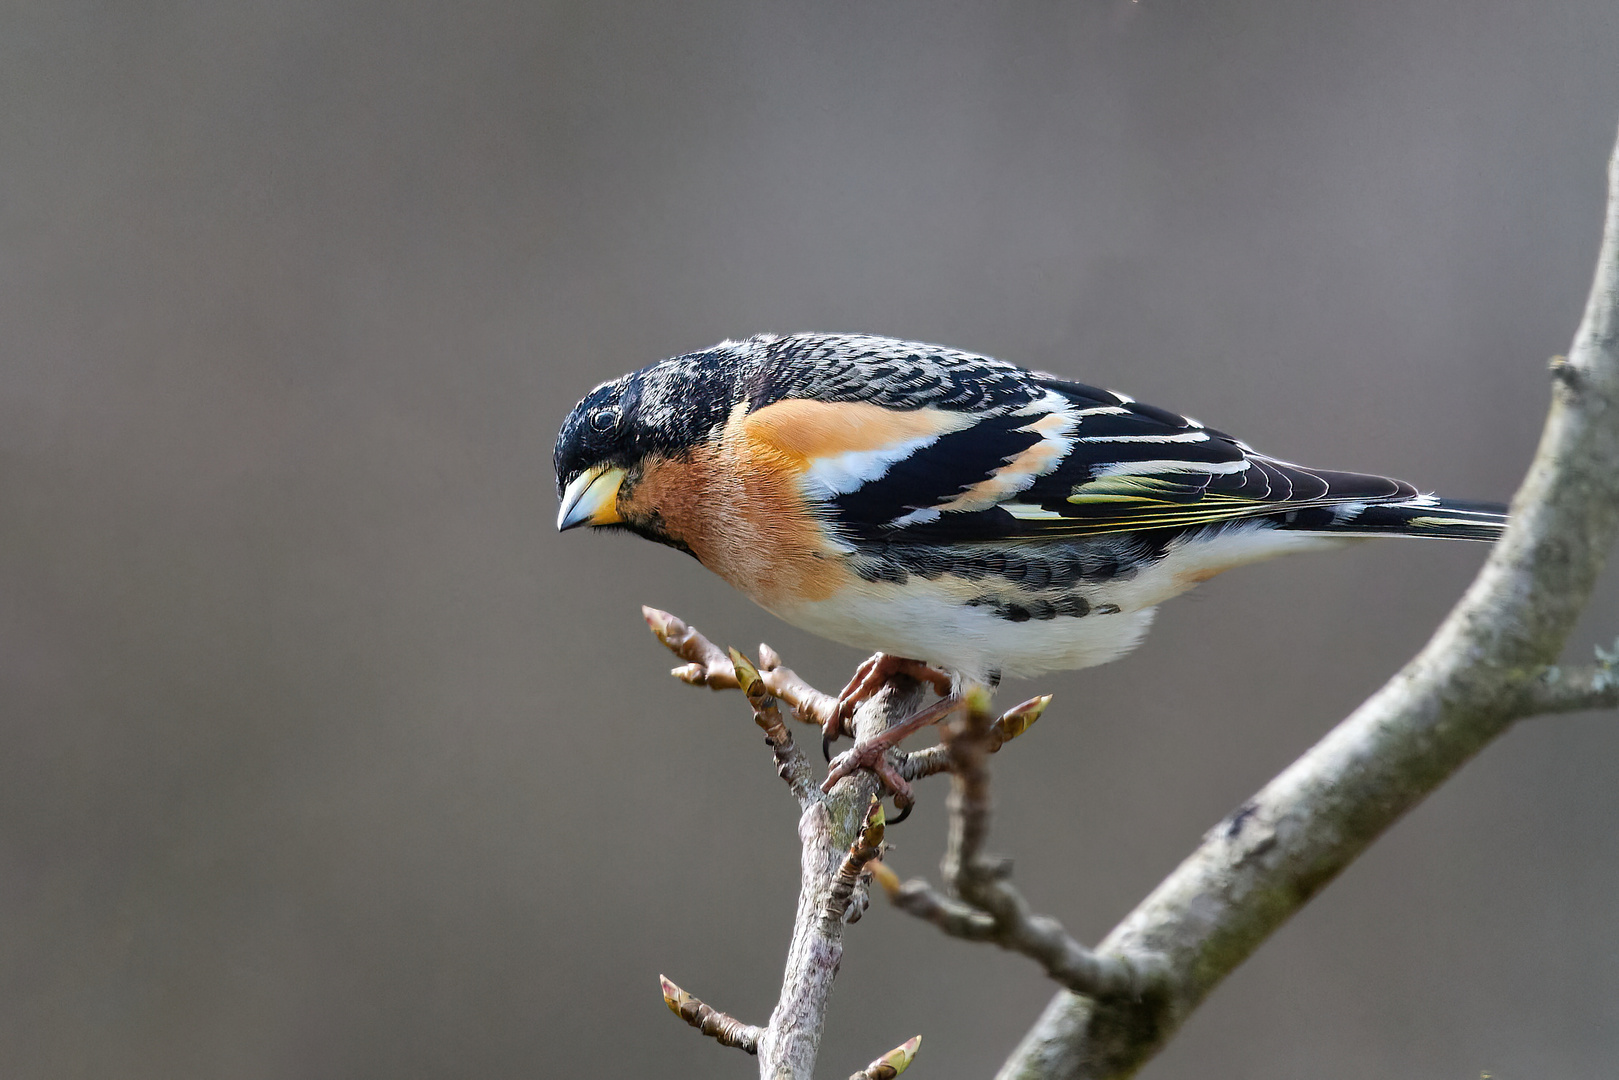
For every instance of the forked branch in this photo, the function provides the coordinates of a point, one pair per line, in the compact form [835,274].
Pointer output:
[985,905]
[840,833]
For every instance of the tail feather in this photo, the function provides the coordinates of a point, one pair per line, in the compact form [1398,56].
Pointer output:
[1449,519]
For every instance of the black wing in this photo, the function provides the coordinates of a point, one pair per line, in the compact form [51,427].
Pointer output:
[1029,456]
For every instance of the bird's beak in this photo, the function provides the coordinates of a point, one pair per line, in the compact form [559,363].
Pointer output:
[592,498]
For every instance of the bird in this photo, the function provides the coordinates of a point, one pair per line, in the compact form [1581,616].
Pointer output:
[958,515]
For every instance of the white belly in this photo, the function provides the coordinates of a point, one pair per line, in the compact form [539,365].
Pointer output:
[932,619]
[925,620]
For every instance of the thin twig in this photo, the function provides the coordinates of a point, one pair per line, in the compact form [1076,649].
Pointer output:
[932,760]
[917,897]
[866,847]
[990,908]
[811,706]
[791,765]
[706,663]
[723,1029]
[709,665]
[981,880]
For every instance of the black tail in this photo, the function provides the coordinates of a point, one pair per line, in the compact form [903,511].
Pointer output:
[1448,519]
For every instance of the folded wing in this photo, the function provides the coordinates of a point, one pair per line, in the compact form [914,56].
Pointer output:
[1070,460]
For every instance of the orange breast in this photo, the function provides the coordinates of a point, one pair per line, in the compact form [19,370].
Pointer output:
[735,501]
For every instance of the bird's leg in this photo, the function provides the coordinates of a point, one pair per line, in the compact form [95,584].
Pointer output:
[872,753]
[870,677]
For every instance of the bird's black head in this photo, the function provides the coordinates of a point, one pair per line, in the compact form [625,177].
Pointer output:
[659,413]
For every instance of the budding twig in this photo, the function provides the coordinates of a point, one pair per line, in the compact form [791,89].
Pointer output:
[723,1029]
[917,897]
[1008,726]
[791,764]
[866,847]
[708,665]
[892,1063]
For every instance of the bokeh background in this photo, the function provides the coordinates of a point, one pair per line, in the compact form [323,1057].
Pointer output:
[322,755]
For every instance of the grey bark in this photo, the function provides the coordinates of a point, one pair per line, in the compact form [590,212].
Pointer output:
[828,826]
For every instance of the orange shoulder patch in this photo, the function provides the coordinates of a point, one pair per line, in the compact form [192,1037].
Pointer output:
[803,430]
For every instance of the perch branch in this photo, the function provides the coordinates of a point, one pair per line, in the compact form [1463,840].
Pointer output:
[828,829]
[1467,686]
[840,833]
[1561,690]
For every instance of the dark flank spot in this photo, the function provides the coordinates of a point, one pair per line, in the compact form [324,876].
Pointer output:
[1073,606]
[1239,817]
[1037,608]
[1046,568]
[1036,575]
[1108,609]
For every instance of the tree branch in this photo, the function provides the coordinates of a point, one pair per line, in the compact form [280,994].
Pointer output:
[1008,726]
[840,833]
[1485,667]
[829,827]
[990,908]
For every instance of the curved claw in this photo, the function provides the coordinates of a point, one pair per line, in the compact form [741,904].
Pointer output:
[826,747]
[904,812]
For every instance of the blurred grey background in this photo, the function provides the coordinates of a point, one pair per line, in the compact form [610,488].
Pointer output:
[322,755]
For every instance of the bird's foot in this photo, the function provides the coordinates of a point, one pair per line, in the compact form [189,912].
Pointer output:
[872,753]
[870,677]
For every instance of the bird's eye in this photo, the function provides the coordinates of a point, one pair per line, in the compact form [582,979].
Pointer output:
[604,419]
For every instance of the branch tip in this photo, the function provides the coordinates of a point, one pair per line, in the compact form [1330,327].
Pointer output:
[705,664]
[747,676]
[871,832]
[892,1063]
[723,1029]
[1018,719]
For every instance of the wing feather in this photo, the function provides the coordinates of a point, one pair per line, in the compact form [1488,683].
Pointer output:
[1029,456]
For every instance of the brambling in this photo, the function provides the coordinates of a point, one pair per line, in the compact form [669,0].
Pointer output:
[956,513]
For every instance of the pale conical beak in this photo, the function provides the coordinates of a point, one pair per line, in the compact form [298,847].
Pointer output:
[592,498]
